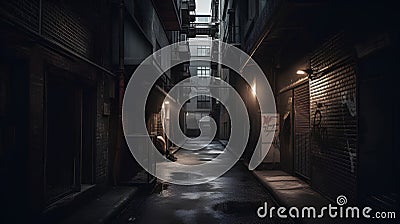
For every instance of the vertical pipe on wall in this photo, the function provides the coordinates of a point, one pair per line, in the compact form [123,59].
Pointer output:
[40,17]
[121,81]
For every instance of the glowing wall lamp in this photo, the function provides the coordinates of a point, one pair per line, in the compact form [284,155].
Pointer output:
[254,89]
[314,74]
[308,72]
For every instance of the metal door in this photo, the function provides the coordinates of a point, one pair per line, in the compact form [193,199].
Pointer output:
[301,146]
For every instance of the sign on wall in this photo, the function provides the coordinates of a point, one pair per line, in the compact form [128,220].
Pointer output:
[267,129]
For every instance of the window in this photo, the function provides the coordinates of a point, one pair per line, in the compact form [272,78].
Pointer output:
[203,19]
[203,51]
[203,102]
[203,71]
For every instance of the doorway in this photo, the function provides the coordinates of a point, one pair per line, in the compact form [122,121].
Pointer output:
[301,135]
[70,135]
[14,120]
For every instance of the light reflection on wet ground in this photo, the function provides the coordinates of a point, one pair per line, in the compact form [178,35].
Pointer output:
[232,198]
[195,157]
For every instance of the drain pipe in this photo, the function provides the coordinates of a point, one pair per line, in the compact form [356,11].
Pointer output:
[121,90]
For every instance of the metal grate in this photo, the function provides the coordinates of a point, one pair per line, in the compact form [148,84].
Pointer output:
[333,119]
[24,12]
[66,27]
[302,130]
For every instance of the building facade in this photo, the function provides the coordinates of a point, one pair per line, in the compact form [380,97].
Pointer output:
[200,104]
[63,76]
[323,72]
[57,100]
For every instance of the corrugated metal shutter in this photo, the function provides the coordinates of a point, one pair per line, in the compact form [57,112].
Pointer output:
[65,26]
[23,12]
[58,22]
[333,119]
[302,130]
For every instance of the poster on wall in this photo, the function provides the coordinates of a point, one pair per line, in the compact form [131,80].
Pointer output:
[268,129]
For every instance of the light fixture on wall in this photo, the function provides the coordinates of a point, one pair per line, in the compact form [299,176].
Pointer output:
[254,89]
[164,104]
[308,72]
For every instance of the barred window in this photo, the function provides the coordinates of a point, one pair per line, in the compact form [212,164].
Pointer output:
[203,71]
[203,51]
[203,102]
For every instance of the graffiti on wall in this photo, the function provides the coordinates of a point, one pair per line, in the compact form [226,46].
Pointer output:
[352,156]
[349,100]
[319,133]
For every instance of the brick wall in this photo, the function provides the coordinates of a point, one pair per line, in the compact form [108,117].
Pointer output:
[102,131]
[333,119]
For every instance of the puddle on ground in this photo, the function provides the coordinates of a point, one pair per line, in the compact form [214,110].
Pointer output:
[199,195]
[238,207]
[185,176]
[211,152]
[205,159]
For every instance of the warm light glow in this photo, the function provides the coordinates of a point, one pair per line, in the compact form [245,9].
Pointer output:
[166,102]
[300,72]
[254,89]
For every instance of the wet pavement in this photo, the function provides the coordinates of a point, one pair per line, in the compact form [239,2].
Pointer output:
[232,198]
[204,155]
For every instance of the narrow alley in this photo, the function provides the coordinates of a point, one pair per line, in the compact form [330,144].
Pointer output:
[232,198]
[199,111]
